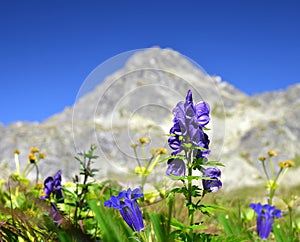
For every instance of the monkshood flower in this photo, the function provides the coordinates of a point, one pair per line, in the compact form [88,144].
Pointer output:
[176,167]
[188,123]
[213,184]
[126,203]
[265,218]
[53,185]
[55,214]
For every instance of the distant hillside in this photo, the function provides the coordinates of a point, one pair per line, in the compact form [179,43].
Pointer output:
[138,100]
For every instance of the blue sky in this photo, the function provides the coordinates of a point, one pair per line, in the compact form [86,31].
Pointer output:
[48,48]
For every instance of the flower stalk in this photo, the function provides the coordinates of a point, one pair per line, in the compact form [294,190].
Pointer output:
[188,135]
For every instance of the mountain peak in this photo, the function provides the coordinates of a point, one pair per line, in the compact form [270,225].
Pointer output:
[137,101]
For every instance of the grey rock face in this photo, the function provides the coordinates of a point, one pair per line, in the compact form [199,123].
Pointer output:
[138,99]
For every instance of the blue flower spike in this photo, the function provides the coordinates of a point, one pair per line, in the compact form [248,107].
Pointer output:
[188,123]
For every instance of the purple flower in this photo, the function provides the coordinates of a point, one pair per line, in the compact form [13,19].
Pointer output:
[265,218]
[189,121]
[55,214]
[48,187]
[126,203]
[202,113]
[176,167]
[53,185]
[213,184]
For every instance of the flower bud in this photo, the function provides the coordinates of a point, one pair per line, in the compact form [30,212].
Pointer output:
[144,140]
[272,153]
[34,150]
[262,158]
[42,155]
[286,164]
[16,152]
[32,158]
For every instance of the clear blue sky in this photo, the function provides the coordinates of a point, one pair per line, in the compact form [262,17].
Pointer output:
[48,48]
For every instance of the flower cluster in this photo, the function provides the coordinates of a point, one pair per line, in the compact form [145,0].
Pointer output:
[188,133]
[53,185]
[265,218]
[188,123]
[126,203]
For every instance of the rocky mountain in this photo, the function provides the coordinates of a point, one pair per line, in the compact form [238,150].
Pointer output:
[137,101]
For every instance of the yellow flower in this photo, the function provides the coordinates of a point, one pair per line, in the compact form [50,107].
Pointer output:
[153,151]
[134,145]
[34,150]
[16,151]
[262,158]
[42,155]
[286,164]
[162,151]
[159,151]
[272,153]
[144,140]
[32,158]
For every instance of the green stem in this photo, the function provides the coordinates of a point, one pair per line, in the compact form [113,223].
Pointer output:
[283,174]
[37,173]
[272,168]
[171,205]
[265,170]
[17,164]
[274,187]
[291,222]
[136,157]
[143,181]
[25,169]
[191,211]
[152,166]
[143,154]
[190,186]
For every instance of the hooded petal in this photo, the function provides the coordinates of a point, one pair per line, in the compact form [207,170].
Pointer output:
[213,185]
[176,167]
[202,110]
[48,187]
[212,172]
[175,144]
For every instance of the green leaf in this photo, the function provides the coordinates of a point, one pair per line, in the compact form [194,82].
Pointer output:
[182,190]
[214,163]
[179,178]
[209,209]
[159,230]
[178,225]
[198,227]
[191,178]
[113,227]
[280,237]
